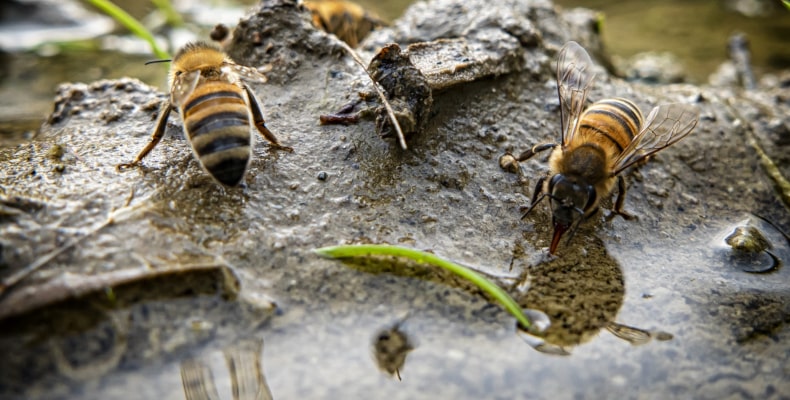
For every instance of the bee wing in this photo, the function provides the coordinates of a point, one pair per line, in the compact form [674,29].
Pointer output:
[248,74]
[635,336]
[665,125]
[574,80]
[183,86]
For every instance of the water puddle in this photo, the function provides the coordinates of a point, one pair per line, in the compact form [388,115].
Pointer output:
[612,320]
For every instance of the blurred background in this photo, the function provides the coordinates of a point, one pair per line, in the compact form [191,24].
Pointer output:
[47,42]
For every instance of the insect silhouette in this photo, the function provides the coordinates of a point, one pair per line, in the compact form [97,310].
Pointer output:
[217,107]
[596,145]
[345,19]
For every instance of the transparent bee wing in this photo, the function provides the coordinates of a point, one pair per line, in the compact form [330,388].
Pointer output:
[245,364]
[574,80]
[248,74]
[664,126]
[183,86]
[198,381]
[632,335]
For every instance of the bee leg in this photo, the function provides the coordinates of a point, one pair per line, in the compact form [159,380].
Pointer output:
[260,123]
[509,163]
[618,204]
[537,196]
[527,154]
[159,131]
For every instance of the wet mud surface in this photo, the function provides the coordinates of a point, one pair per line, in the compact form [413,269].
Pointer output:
[221,269]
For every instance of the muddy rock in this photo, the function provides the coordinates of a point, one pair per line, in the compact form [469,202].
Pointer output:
[283,42]
[654,68]
[343,184]
[406,89]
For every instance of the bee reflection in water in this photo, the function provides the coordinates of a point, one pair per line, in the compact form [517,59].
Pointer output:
[390,348]
[244,369]
[582,295]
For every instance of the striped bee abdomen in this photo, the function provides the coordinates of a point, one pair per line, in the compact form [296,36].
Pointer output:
[217,123]
[611,123]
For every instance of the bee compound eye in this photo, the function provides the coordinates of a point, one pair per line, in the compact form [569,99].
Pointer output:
[555,180]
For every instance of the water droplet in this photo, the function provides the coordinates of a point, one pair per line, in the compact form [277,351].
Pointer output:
[540,321]
[541,345]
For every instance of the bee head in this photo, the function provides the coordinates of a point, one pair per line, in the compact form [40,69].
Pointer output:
[570,200]
[197,56]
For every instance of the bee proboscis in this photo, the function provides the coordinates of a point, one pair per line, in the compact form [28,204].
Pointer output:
[597,144]
[217,107]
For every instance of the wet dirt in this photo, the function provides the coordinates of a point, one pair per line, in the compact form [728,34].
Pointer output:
[344,184]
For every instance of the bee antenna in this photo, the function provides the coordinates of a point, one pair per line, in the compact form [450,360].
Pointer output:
[156,61]
[535,203]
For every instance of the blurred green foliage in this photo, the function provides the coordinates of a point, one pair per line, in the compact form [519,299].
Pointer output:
[132,24]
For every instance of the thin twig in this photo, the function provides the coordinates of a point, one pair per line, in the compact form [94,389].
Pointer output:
[780,183]
[353,53]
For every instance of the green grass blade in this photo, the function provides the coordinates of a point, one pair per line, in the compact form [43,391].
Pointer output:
[786,3]
[130,23]
[427,258]
[172,16]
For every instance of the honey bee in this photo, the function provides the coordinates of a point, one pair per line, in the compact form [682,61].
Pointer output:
[216,106]
[597,145]
[346,20]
